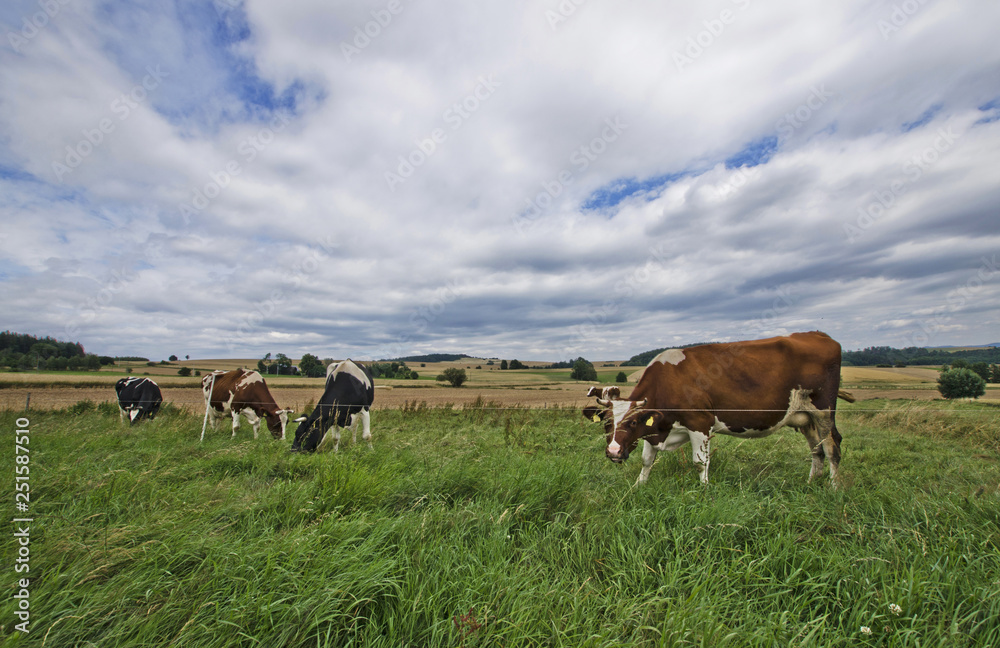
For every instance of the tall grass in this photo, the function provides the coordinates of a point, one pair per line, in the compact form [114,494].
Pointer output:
[506,527]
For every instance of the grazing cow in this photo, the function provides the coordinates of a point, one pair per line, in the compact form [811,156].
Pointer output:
[349,393]
[606,393]
[743,389]
[138,398]
[242,392]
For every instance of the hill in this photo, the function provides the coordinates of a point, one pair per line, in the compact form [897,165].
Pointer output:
[431,357]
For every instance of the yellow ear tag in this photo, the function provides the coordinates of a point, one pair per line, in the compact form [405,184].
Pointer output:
[649,423]
[597,418]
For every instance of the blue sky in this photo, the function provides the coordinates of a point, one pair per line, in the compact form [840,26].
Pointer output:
[234,178]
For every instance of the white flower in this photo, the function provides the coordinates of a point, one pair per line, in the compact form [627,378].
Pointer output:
[895,609]
[866,630]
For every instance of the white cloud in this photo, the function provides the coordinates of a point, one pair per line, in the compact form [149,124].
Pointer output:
[277,137]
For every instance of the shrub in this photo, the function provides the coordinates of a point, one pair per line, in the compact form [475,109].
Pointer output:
[621,377]
[184,371]
[454,376]
[961,383]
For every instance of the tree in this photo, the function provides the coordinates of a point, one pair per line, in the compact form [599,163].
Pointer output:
[184,371]
[982,369]
[621,377]
[503,365]
[961,383]
[583,370]
[517,364]
[173,358]
[311,366]
[284,364]
[264,363]
[454,376]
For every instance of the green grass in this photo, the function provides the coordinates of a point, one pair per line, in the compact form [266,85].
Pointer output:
[507,528]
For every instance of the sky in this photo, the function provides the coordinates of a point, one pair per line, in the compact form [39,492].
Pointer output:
[533,180]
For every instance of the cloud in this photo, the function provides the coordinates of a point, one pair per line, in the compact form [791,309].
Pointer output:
[523,180]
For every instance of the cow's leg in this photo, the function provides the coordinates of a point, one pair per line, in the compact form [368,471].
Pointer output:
[366,432]
[831,446]
[121,413]
[700,451]
[815,441]
[353,427]
[648,458]
[334,434]
[236,422]
[253,419]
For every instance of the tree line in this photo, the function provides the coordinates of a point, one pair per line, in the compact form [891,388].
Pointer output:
[874,356]
[23,351]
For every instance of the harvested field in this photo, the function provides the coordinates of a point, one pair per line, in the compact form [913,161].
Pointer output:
[389,397]
[191,399]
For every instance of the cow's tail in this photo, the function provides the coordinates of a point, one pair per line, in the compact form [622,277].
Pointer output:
[209,388]
[847,396]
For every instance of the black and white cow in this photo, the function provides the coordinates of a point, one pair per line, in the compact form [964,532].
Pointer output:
[138,398]
[350,390]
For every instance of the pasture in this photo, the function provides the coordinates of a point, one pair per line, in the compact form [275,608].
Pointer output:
[506,526]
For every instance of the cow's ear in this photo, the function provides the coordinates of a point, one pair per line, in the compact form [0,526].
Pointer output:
[651,420]
[592,413]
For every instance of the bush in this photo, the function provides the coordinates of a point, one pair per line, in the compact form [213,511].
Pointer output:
[961,383]
[583,370]
[621,377]
[184,371]
[454,376]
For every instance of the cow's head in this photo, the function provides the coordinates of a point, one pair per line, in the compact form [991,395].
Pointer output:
[307,435]
[629,422]
[277,421]
[602,415]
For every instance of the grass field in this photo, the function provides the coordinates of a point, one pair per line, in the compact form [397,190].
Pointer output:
[506,527]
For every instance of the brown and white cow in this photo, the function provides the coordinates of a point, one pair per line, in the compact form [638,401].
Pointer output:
[242,392]
[606,393]
[743,389]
